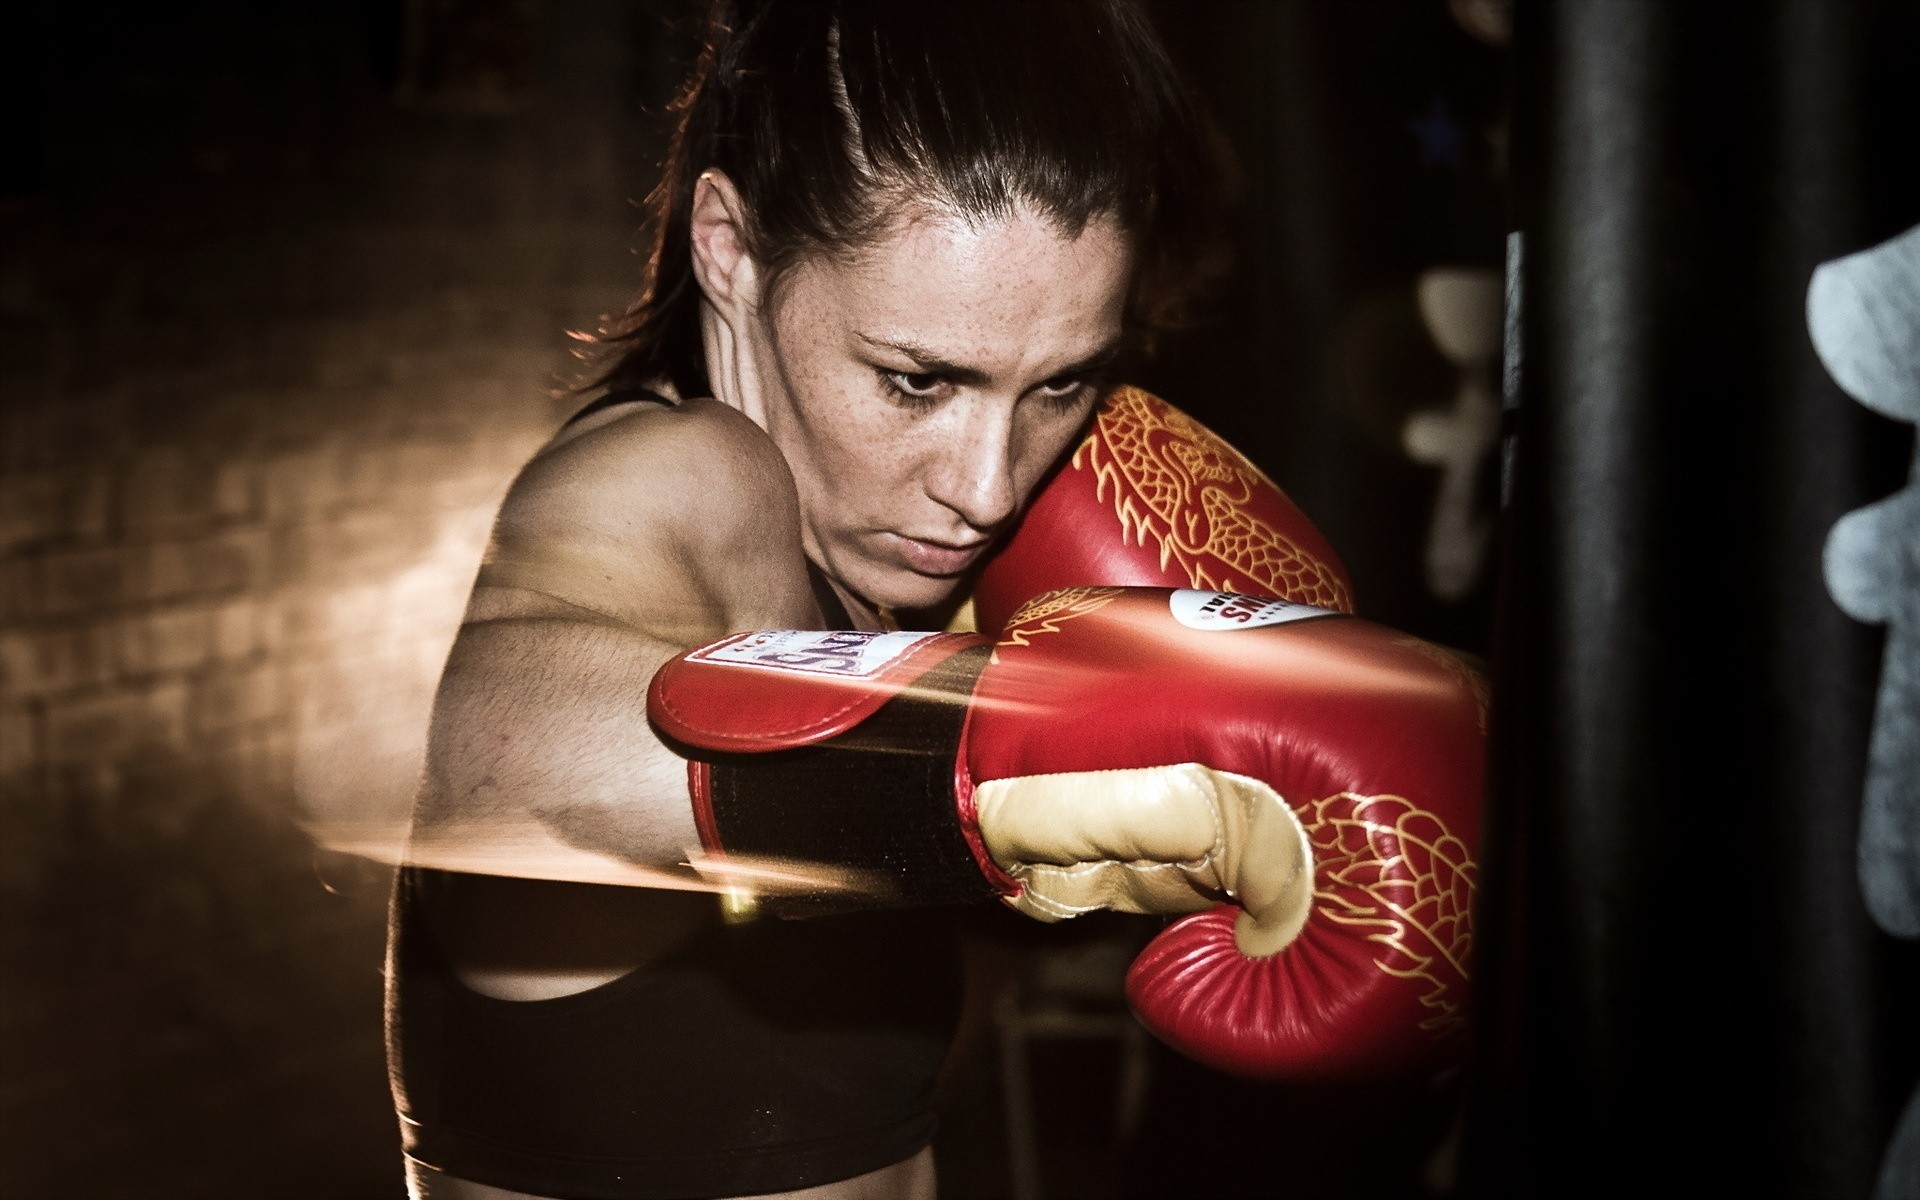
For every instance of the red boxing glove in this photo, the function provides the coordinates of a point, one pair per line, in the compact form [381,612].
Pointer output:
[1138,749]
[1153,498]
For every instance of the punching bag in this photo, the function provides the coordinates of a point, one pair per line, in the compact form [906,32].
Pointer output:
[1681,989]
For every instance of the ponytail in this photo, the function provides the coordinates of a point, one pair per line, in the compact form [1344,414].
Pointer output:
[828,115]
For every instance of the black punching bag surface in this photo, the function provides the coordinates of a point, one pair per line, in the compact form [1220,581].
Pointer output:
[1681,992]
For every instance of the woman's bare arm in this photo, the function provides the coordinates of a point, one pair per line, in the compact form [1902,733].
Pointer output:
[616,548]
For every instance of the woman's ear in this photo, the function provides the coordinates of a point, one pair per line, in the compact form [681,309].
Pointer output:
[727,273]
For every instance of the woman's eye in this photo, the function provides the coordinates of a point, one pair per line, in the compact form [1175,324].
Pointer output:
[914,386]
[1063,393]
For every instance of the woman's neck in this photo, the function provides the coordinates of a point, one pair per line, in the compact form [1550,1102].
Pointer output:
[860,613]
[731,370]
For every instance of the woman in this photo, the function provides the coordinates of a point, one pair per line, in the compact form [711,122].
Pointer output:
[897,247]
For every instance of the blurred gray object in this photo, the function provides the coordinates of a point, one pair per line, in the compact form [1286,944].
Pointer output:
[1863,312]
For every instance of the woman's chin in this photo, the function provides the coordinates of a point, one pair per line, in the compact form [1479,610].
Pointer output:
[921,593]
[899,590]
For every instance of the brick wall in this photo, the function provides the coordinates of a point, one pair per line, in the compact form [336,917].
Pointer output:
[271,345]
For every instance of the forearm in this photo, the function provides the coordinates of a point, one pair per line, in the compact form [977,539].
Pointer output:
[540,733]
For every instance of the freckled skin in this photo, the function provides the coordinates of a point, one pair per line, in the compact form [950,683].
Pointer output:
[644,531]
[883,413]
[1020,308]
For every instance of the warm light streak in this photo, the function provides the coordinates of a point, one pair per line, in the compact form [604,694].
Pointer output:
[526,850]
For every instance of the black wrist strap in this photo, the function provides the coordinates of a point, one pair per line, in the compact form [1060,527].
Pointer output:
[878,799]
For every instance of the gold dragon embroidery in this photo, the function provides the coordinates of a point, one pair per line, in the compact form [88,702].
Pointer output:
[1177,486]
[1417,880]
[1045,612]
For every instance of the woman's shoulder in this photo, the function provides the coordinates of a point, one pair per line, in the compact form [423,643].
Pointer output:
[656,458]
[698,439]
[645,496]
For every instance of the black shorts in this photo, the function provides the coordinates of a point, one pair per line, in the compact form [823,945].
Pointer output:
[761,1057]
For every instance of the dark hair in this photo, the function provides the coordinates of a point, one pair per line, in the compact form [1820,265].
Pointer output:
[828,114]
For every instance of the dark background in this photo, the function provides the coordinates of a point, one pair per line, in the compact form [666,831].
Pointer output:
[283,300]
[284,291]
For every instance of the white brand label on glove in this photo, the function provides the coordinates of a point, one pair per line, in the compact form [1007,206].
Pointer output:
[844,652]
[1229,610]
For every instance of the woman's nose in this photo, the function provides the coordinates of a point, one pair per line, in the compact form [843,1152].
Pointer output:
[972,473]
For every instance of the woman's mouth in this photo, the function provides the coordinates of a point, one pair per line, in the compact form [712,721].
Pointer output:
[938,559]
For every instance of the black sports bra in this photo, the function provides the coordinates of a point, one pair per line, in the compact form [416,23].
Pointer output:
[617,397]
[755,1058]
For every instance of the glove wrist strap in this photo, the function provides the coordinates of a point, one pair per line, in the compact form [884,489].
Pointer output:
[878,801]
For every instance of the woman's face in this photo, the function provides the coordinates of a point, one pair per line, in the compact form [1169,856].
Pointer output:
[920,388]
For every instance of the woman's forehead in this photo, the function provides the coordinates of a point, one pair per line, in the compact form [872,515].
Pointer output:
[968,288]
